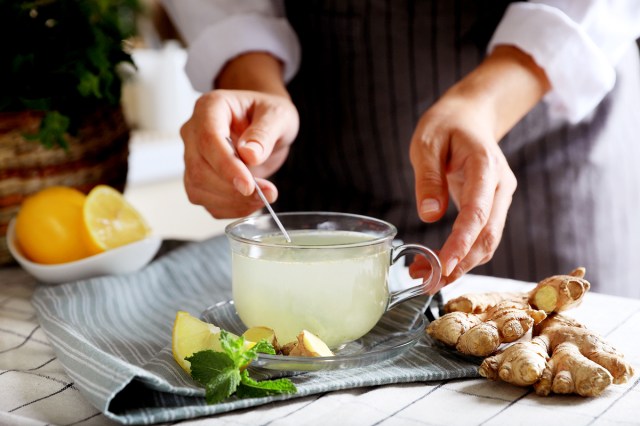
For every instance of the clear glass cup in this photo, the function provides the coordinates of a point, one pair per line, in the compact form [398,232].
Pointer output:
[332,279]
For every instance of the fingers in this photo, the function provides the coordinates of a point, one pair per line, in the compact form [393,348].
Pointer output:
[228,203]
[420,268]
[476,200]
[483,247]
[474,239]
[207,152]
[430,178]
[270,123]
[214,176]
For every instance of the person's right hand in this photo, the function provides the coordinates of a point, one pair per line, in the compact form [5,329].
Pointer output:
[253,108]
[262,127]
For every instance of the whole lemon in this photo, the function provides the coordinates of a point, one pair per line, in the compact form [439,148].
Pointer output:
[50,227]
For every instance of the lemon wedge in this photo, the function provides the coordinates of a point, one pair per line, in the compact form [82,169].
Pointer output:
[191,335]
[110,221]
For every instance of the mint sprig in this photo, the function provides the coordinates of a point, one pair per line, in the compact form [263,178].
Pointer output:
[250,388]
[221,373]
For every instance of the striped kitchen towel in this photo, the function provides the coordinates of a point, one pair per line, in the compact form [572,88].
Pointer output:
[113,336]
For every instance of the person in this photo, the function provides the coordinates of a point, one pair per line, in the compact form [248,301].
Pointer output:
[504,134]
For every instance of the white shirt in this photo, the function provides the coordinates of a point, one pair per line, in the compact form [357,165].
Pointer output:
[577,42]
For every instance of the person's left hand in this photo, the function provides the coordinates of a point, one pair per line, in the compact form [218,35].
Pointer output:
[454,152]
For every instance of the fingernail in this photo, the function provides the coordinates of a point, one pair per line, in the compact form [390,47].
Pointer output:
[241,186]
[429,206]
[450,266]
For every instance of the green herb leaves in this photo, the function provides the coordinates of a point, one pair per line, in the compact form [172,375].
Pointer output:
[250,388]
[63,56]
[221,372]
[216,372]
[52,129]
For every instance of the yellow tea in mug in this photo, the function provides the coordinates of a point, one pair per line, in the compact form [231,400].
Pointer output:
[339,296]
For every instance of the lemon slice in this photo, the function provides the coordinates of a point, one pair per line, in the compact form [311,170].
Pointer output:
[191,335]
[110,221]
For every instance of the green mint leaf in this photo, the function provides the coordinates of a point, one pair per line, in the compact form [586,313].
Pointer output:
[219,372]
[250,388]
[250,354]
[207,365]
[264,347]
[235,348]
[222,386]
[216,372]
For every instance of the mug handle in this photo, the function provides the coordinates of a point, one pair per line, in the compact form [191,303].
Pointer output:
[417,290]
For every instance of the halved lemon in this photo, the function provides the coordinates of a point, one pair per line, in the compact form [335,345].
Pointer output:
[110,221]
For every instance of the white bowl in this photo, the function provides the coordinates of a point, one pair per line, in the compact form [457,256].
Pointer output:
[122,260]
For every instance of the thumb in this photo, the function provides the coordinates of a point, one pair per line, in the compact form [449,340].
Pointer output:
[431,187]
[258,140]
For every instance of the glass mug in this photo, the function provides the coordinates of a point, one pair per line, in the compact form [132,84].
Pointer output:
[330,280]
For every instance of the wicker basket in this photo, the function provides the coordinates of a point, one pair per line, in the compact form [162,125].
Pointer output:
[97,155]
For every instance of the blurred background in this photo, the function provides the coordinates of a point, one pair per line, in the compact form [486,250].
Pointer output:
[157,99]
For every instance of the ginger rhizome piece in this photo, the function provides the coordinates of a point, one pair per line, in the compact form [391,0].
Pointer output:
[553,294]
[562,356]
[560,292]
[581,361]
[477,324]
[309,344]
[481,334]
[476,303]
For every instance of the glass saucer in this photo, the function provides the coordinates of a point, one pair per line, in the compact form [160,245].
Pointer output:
[397,331]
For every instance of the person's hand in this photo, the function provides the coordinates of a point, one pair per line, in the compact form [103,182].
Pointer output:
[454,153]
[261,122]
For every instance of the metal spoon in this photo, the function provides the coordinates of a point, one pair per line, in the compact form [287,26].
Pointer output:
[262,197]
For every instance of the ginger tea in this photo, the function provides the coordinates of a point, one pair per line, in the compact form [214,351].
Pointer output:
[338,293]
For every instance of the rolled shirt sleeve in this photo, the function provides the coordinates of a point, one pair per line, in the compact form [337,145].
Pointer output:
[577,43]
[217,31]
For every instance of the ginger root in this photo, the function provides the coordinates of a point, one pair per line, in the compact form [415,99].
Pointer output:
[481,334]
[581,361]
[560,292]
[562,356]
[477,324]
[553,294]
[309,344]
[476,303]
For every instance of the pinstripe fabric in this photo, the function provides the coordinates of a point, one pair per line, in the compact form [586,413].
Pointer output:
[370,68]
[113,336]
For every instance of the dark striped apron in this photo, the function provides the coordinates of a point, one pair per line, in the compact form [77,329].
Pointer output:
[370,68]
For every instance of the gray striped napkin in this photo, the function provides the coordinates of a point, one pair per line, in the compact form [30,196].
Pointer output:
[113,336]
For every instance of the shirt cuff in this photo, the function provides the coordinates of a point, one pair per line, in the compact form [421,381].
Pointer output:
[579,72]
[236,35]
